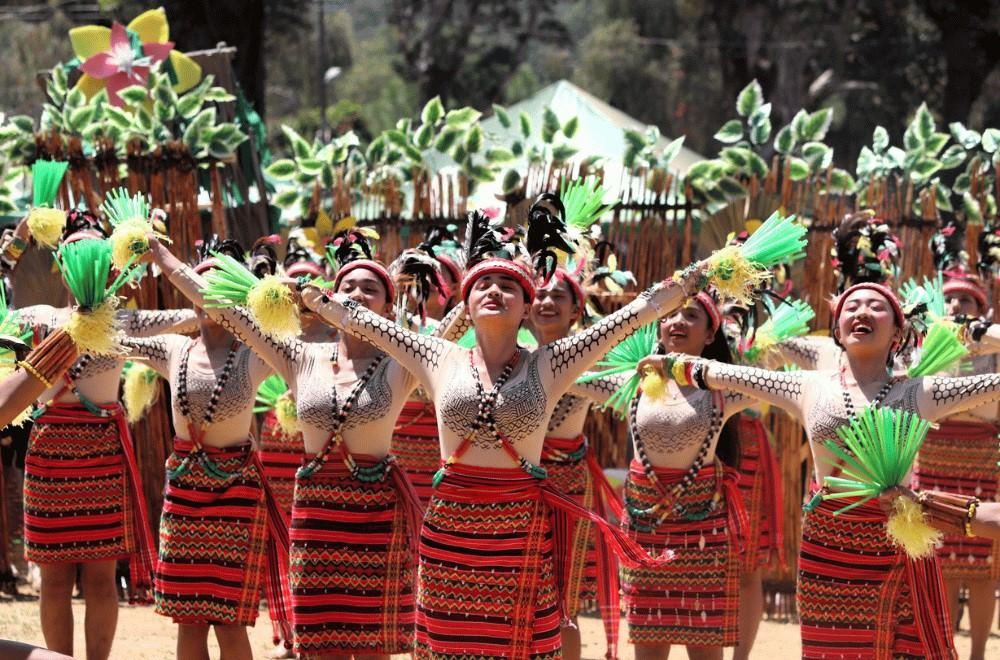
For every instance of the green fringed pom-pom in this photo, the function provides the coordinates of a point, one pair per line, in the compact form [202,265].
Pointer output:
[625,358]
[940,349]
[930,292]
[85,266]
[788,319]
[584,202]
[46,175]
[778,240]
[228,282]
[273,387]
[879,447]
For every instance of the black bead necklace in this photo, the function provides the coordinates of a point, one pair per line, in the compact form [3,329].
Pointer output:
[875,402]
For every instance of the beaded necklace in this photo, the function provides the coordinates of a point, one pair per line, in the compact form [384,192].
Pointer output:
[671,502]
[371,473]
[196,431]
[875,402]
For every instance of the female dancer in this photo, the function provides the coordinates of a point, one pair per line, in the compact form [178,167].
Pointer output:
[573,469]
[354,517]
[683,493]
[857,592]
[960,456]
[487,584]
[218,519]
[83,499]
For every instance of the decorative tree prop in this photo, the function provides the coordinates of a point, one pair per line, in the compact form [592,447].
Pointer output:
[880,445]
[45,222]
[86,268]
[130,217]
[273,394]
[737,271]
[269,300]
[138,390]
[790,318]
[624,358]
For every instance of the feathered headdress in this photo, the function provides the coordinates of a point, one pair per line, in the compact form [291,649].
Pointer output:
[417,273]
[440,243]
[948,245]
[492,248]
[205,250]
[548,234]
[300,260]
[263,258]
[352,249]
[865,250]
[989,251]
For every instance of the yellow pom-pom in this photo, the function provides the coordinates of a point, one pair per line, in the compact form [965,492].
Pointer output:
[128,240]
[95,331]
[908,529]
[46,226]
[653,384]
[272,305]
[139,392]
[733,276]
[286,414]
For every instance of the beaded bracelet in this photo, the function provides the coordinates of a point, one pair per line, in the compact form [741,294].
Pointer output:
[30,368]
[698,375]
[949,510]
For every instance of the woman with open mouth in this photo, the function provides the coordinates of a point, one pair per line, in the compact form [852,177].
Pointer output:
[857,592]
[682,493]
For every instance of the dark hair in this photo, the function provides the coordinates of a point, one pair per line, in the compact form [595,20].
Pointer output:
[228,246]
[263,259]
[81,220]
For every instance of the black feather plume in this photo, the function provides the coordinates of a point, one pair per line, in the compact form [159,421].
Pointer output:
[417,273]
[226,246]
[348,246]
[865,250]
[547,232]
[484,237]
[263,259]
[948,245]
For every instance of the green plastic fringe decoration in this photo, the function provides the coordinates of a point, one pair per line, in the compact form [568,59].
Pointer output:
[624,358]
[46,223]
[788,319]
[940,349]
[584,202]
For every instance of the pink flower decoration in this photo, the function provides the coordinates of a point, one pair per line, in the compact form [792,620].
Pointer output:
[491,212]
[123,66]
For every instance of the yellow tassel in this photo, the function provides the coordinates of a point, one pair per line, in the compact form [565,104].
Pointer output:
[286,414]
[46,226]
[653,384]
[734,276]
[94,331]
[271,304]
[908,529]
[139,392]
[129,239]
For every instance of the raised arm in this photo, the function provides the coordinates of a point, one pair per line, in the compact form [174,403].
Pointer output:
[149,322]
[808,352]
[940,396]
[454,324]
[282,356]
[600,389]
[568,358]
[155,351]
[421,355]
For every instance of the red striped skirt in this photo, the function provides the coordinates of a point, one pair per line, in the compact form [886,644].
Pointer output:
[693,600]
[352,562]
[861,599]
[281,455]
[487,586]
[83,500]
[416,447]
[762,495]
[961,457]
[213,534]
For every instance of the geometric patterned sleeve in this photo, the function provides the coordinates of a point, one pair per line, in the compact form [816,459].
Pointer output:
[803,352]
[283,356]
[569,357]
[157,352]
[454,325]
[421,355]
[941,396]
[600,389]
[784,389]
[149,322]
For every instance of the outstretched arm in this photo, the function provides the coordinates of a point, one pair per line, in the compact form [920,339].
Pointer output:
[568,358]
[600,389]
[454,324]
[421,355]
[155,351]
[940,396]
[149,322]
[808,352]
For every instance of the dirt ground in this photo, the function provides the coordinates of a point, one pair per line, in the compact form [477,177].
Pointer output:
[142,635]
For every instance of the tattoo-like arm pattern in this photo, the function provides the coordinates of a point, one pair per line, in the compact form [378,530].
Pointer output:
[421,355]
[454,325]
[942,396]
[281,355]
[154,351]
[149,322]
[800,351]
[784,389]
[600,389]
[571,356]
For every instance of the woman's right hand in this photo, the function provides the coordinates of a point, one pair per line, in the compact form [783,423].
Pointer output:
[655,363]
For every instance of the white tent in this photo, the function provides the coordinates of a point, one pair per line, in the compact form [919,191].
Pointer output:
[601,129]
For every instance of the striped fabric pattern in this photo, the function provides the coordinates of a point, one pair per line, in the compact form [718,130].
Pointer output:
[762,497]
[486,585]
[213,535]
[694,599]
[77,501]
[961,457]
[859,598]
[352,564]
[281,455]
[565,461]
[416,447]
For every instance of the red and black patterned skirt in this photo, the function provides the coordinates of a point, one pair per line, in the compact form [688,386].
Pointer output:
[353,562]
[281,455]
[213,536]
[961,457]
[416,447]
[860,598]
[83,500]
[762,496]
[693,600]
